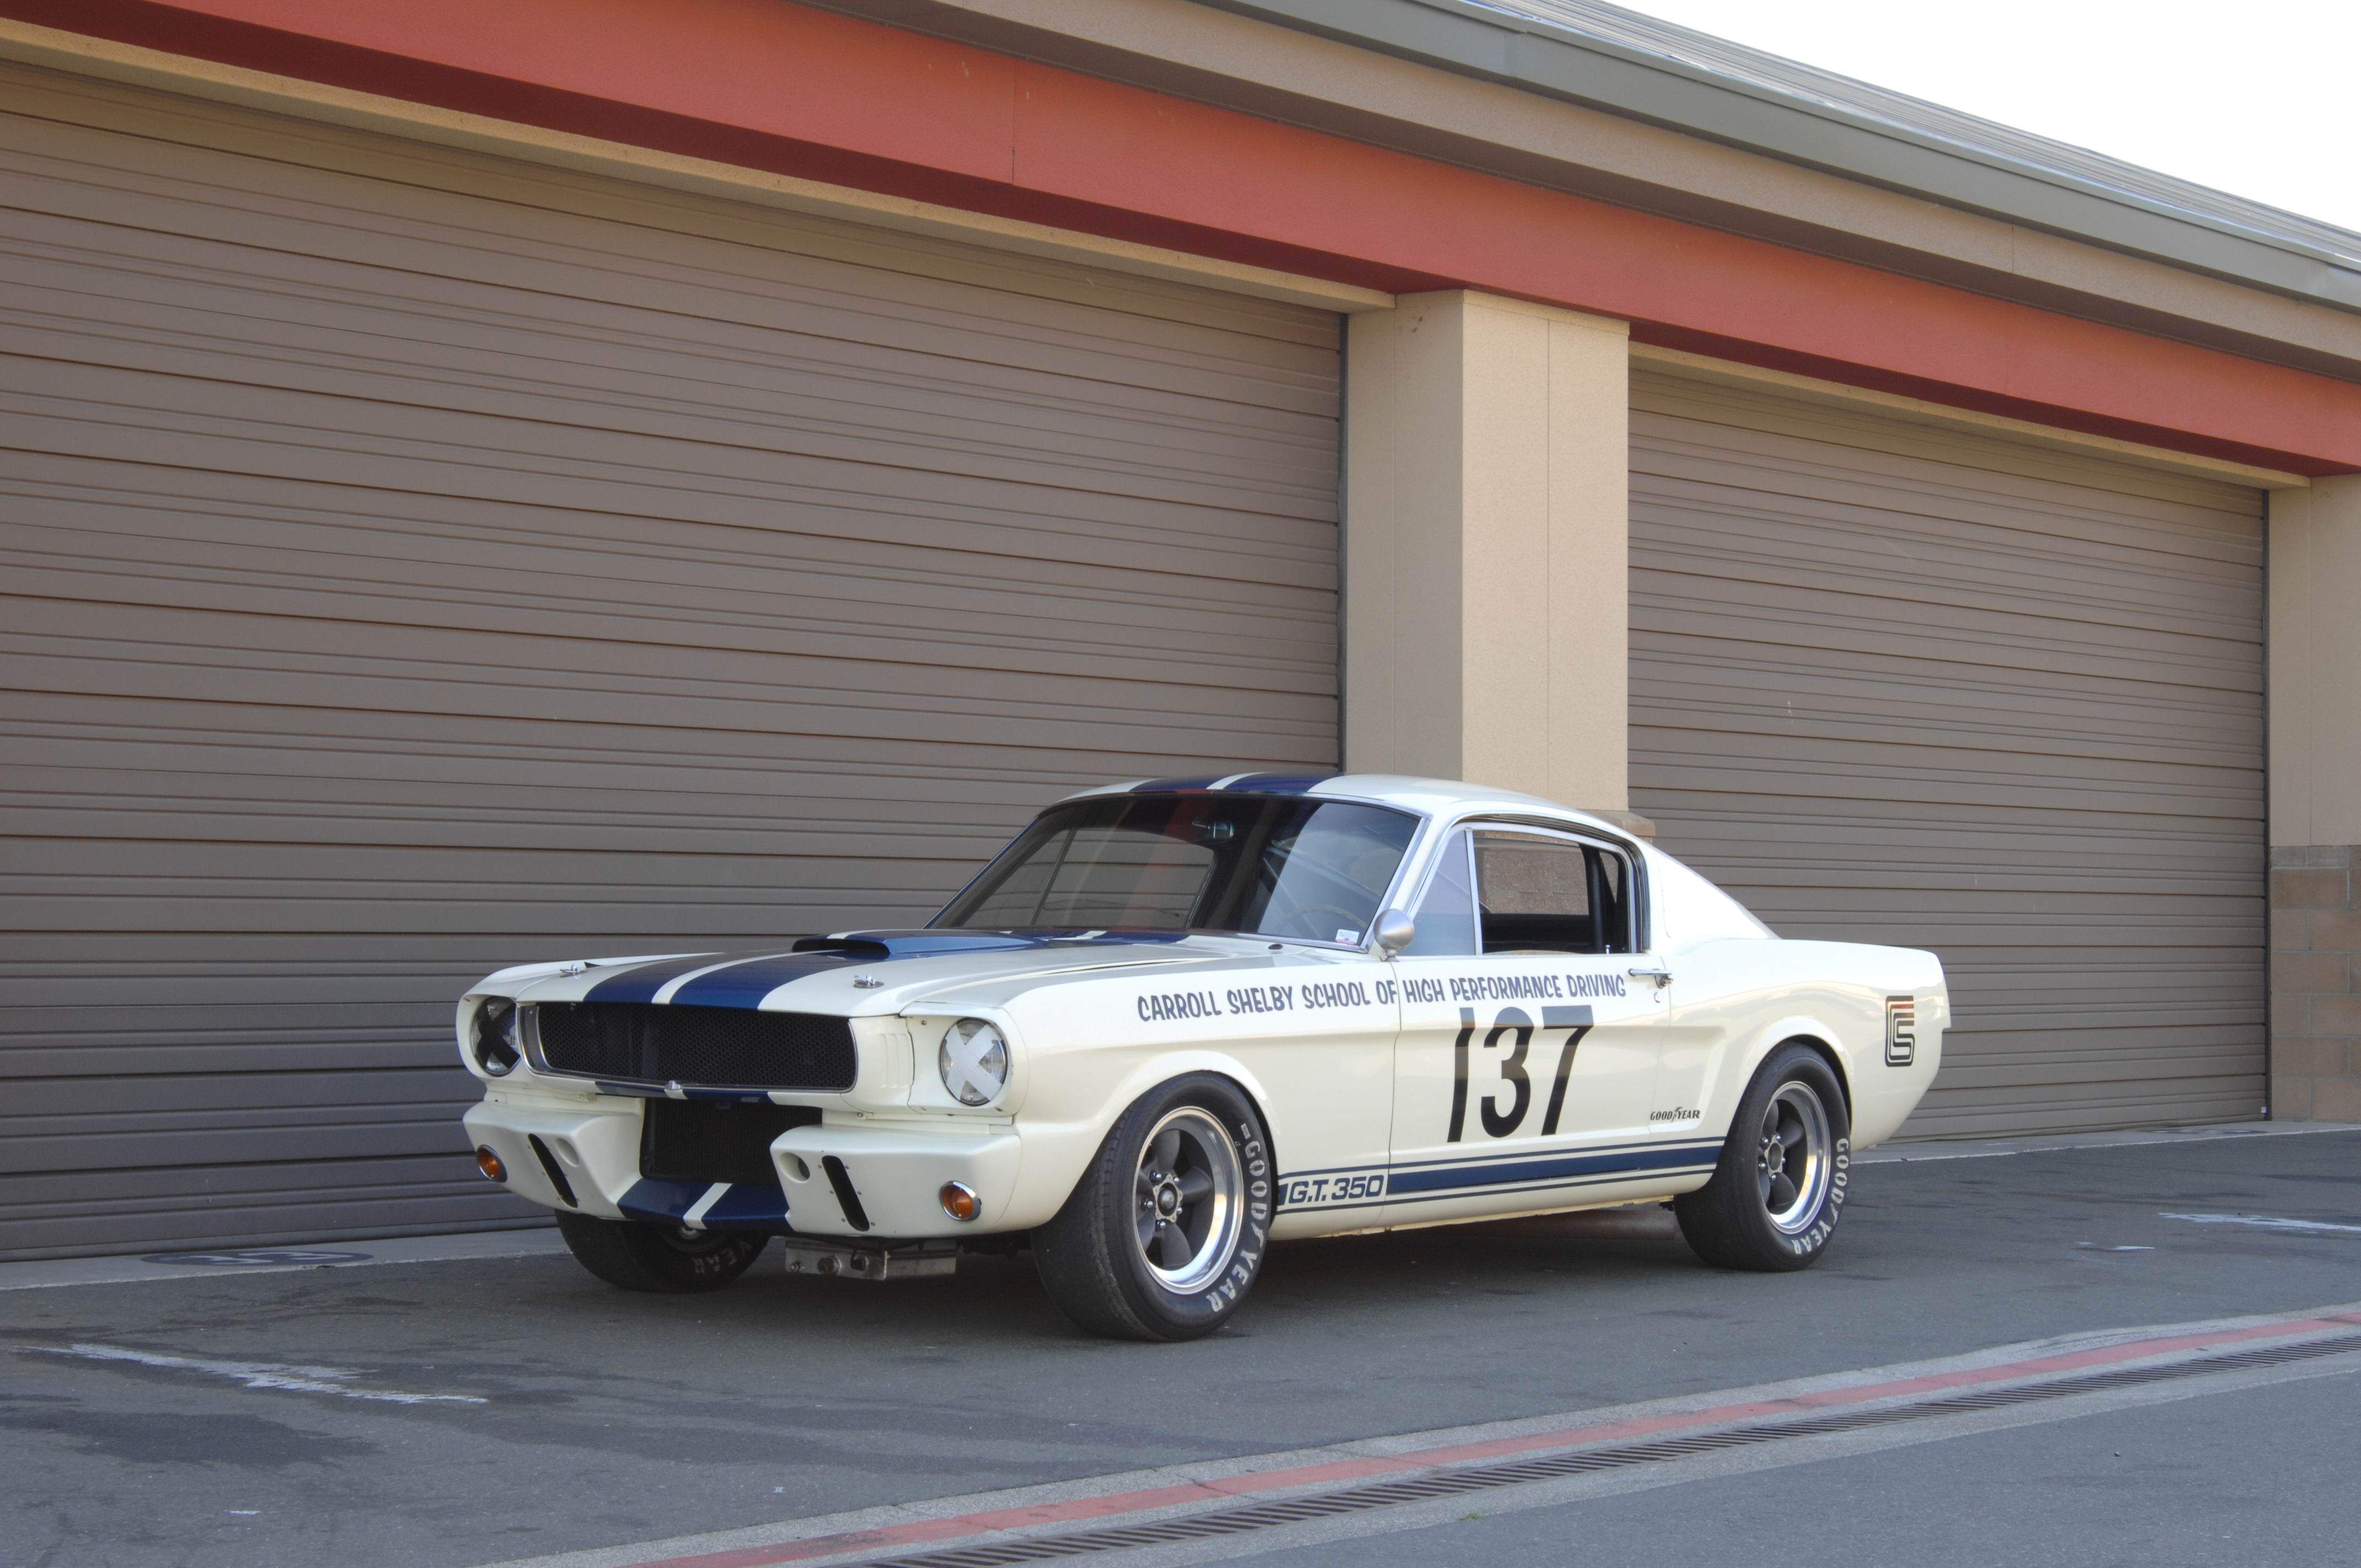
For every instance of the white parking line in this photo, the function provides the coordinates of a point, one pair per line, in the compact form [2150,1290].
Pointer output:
[534,1241]
[2264,1223]
[255,1373]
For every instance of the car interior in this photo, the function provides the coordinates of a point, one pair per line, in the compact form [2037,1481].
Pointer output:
[1534,893]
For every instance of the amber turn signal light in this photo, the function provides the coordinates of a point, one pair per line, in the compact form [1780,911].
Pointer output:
[489,1164]
[959,1201]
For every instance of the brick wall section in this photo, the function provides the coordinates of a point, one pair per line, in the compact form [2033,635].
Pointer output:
[2316,983]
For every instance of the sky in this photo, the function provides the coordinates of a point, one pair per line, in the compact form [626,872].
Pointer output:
[2261,98]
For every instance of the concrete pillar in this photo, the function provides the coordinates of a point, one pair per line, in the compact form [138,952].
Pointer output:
[2315,643]
[1487,624]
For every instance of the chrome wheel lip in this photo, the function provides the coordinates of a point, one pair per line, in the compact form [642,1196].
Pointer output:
[1206,1145]
[1796,1107]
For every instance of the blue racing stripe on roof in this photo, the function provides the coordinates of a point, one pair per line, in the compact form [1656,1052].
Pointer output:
[641,981]
[745,984]
[1178,786]
[1277,783]
[1448,1179]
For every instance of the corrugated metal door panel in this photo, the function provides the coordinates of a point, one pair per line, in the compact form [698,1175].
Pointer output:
[417,563]
[1893,682]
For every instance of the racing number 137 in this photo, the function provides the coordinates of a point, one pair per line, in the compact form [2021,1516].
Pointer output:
[1513,1022]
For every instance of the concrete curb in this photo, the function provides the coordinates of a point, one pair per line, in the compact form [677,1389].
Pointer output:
[1985,1149]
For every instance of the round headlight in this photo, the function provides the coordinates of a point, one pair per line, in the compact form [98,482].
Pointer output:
[496,1035]
[974,1061]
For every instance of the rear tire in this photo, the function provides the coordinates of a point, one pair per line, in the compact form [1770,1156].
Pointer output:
[1780,1186]
[656,1259]
[1164,1233]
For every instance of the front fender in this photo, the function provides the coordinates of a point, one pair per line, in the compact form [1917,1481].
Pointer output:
[1060,1140]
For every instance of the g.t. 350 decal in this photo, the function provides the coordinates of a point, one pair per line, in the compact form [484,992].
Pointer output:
[1517,1026]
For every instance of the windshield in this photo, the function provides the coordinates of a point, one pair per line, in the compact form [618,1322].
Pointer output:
[1259,865]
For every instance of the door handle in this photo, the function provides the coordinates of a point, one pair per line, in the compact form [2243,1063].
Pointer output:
[1656,973]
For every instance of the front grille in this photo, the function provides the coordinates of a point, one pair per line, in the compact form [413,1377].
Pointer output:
[725,1047]
[711,1140]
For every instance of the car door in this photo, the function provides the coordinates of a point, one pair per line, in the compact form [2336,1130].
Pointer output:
[1525,1070]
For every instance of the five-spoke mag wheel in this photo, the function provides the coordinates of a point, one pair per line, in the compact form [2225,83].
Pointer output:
[1779,1187]
[1792,1158]
[1191,1191]
[1165,1232]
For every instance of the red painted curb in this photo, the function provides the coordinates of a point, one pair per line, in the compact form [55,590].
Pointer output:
[1253,1482]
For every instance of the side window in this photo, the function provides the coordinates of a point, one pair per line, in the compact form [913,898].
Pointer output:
[1445,918]
[1542,894]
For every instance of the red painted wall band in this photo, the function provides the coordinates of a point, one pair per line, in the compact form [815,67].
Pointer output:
[767,85]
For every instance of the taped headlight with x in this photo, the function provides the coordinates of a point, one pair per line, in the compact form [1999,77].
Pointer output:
[974,1061]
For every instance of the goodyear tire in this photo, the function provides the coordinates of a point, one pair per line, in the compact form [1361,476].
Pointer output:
[1163,1235]
[652,1257]
[1780,1186]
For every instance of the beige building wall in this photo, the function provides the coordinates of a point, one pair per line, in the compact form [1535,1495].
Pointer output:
[2315,800]
[1486,541]
[2315,663]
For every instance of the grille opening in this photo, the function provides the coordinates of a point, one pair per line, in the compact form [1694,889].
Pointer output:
[556,1171]
[716,1140]
[726,1047]
[840,1180]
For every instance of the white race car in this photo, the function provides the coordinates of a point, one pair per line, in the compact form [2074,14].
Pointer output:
[1175,1021]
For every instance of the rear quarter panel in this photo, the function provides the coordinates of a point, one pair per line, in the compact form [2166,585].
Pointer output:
[1735,1001]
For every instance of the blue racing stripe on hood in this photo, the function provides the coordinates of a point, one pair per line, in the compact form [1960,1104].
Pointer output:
[641,981]
[745,984]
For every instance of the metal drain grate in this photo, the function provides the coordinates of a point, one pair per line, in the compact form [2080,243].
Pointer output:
[1480,1478]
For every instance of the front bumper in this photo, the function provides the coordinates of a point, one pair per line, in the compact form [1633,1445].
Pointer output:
[831,1178]
[894,1177]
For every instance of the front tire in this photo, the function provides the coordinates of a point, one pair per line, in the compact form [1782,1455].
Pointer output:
[655,1258]
[1780,1185]
[1164,1233]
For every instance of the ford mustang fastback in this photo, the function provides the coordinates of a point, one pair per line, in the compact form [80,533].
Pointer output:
[1175,1021]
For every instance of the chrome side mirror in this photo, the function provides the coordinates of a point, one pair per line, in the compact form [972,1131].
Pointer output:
[1394,932]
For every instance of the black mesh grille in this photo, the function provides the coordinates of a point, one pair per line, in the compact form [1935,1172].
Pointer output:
[705,1140]
[727,1047]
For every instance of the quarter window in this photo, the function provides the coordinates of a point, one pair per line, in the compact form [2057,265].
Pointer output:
[1541,892]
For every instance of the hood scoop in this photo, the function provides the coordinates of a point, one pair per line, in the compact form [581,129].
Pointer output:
[867,946]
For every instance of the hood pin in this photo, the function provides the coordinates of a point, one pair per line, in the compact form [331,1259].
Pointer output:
[867,982]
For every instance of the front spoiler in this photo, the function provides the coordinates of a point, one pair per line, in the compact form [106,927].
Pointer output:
[893,1174]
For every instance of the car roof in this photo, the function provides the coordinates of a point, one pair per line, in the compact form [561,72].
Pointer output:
[1431,797]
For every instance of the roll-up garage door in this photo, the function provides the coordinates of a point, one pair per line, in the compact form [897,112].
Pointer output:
[1897,683]
[418,563]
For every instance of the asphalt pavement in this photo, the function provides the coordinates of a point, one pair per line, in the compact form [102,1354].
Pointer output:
[492,1409]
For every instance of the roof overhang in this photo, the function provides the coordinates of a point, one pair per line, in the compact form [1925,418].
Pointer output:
[2302,260]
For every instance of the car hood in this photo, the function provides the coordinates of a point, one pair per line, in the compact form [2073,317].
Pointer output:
[851,972]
